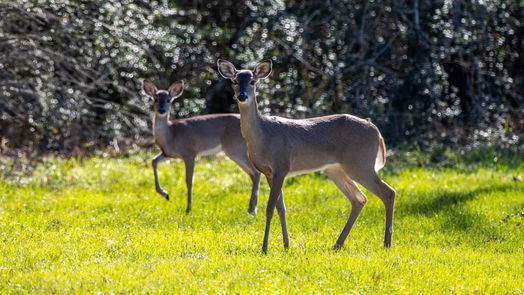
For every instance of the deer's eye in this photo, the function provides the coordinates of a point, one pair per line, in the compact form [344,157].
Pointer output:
[252,82]
[235,82]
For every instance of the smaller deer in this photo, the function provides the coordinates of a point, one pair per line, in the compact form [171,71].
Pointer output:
[192,137]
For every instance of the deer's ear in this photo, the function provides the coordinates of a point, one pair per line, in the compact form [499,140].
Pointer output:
[226,69]
[263,69]
[149,88]
[176,89]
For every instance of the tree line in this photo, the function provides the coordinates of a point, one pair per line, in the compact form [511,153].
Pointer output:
[425,72]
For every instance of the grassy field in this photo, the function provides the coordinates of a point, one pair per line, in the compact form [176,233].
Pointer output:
[97,225]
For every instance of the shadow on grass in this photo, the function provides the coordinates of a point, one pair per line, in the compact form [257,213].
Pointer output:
[448,209]
[436,201]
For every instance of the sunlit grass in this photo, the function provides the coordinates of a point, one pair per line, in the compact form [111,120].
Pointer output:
[97,225]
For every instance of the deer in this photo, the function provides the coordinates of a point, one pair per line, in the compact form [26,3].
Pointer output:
[346,148]
[192,137]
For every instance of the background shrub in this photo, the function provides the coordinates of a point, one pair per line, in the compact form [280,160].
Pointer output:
[426,72]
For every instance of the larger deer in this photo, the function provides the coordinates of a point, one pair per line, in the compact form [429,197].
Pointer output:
[345,147]
[196,136]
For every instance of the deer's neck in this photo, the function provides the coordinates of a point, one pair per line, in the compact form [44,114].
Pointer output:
[160,127]
[251,123]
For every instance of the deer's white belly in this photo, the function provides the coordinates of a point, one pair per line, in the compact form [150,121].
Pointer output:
[300,172]
[210,151]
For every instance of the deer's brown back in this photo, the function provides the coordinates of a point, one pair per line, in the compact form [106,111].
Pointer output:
[310,144]
[202,135]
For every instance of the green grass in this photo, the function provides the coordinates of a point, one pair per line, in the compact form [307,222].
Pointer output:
[97,225]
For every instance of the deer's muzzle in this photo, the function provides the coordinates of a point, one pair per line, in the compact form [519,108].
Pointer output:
[242,96]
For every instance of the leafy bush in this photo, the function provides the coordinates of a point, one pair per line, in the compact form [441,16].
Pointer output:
[425,72]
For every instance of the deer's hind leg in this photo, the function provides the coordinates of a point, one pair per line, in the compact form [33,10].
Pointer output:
[253,200]
[353,193]
[240,158]
[386,193]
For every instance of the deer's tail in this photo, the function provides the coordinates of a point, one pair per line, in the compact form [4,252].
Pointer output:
[380,160]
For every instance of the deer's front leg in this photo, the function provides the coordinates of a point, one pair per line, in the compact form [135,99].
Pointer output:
[276,182]
[281,209]
[157,159]
[190,168]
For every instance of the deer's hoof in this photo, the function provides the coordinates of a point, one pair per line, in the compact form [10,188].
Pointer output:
[337,247]
[163,193]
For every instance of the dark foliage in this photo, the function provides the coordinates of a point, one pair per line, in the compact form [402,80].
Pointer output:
[425,71]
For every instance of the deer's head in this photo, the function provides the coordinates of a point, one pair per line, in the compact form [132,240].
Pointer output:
[244,81]
[162,99]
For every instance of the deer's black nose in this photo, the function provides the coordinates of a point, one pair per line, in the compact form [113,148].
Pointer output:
[242,96]
[162,110]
